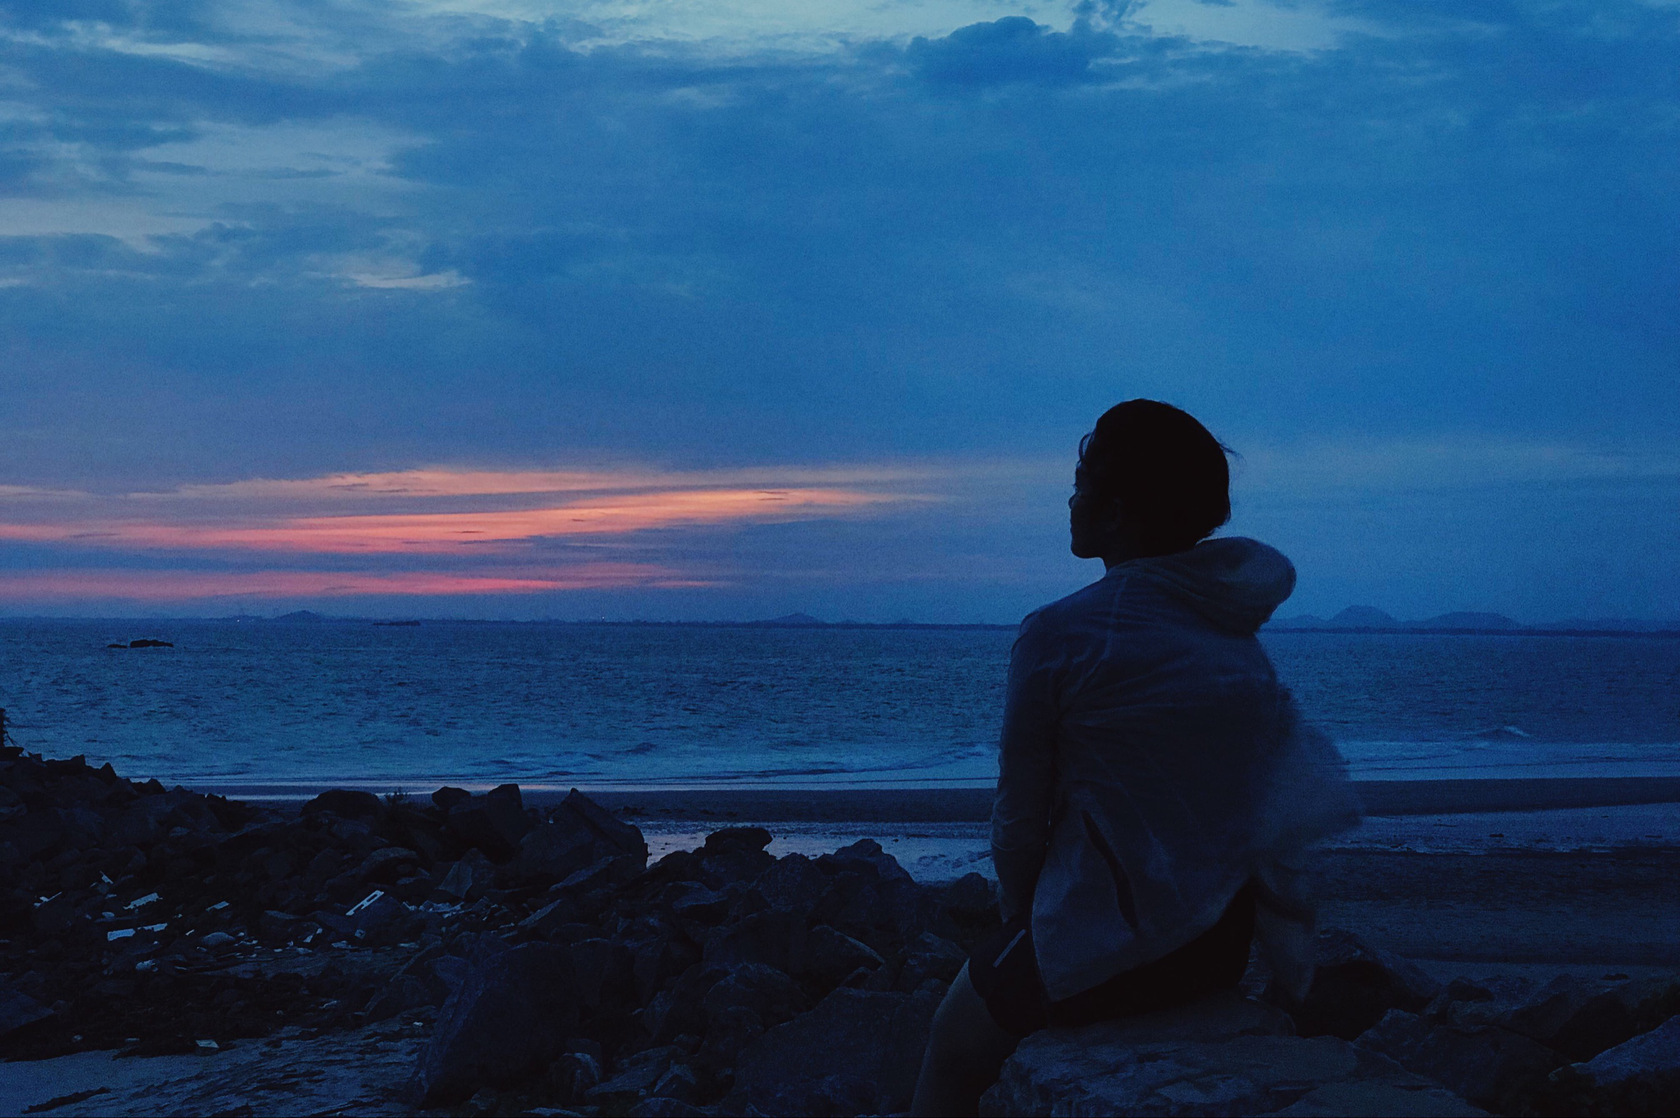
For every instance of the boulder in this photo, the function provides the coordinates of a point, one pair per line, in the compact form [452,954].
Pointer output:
[970,897]
[610,829]
[468,878]
[866,857]
[793,883]
[384,865]
[930,957]
[1637,1077]
[831,955]
[1490,1066]
[553,851]
[771,995]
[774,938]
[347,803]
[1581,1018]
[1355,984]
[1222,1055]
[493,822]
[634,1077]
[18,1009]
[512,1013]
[735,854]
[446,797]
[857,1052]
[692,902]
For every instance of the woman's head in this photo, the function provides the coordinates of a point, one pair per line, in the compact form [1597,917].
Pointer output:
[1151,480]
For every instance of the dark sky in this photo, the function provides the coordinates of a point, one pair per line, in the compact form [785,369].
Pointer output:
[697,310]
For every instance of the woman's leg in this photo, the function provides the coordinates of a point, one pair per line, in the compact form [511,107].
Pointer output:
[965,1052]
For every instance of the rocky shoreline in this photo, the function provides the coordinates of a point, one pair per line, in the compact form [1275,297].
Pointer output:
[532,961]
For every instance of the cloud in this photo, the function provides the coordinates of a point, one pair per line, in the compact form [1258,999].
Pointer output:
[254,516]
[1009,50]
[296,240]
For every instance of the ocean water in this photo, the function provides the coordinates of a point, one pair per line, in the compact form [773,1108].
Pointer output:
[265,703]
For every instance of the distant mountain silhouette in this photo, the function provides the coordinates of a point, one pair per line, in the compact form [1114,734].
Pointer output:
[301,615]
[791,621]
[1364,617]
[1354,617]
[1467,619]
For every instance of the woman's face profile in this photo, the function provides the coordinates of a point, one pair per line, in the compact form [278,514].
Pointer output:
[1091,519]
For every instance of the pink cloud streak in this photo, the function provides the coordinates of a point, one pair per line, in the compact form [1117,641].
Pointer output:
[254,528]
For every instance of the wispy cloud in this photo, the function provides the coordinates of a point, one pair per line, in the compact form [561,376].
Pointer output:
[261,515]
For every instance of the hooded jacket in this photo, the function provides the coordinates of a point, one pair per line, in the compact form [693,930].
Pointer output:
[1151,764]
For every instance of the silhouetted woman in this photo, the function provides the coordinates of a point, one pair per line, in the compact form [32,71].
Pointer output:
[1155,786]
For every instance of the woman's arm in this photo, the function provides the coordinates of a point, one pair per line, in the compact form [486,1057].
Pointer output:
[1026,768]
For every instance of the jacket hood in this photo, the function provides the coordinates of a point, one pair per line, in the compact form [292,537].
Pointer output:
[1233,581]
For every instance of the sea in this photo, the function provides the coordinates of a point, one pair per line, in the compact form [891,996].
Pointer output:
[254,705]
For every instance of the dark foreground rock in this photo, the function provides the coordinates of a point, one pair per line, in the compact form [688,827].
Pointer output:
[508,1019]
[857,1052]
[523,960]
[1226,1055]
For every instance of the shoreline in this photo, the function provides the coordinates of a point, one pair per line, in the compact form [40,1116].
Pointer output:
[972,803]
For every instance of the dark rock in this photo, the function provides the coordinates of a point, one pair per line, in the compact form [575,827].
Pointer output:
[774,938]
[384,865]
[970,897]
[615,869]
[494,822]
[552,852]
[445,798]
[664,1107]
[634,1077]
[380,918]
[856,1052]
[1638,1077]
[403,993]
[771,995]
[513,1011]
[348,803]
[468,878]
[792,883]
[732,838]
[866,857]
[681,1008]
[1222,1055]
[54,916]
[692,901]
[1581,1018]
[1355,984]
[603,970]
[144,642]
[282,927]
[18,1009]
[572,1075]
[735,855]
[831,955]
[678,1084]
[607,827]
[730,1030]
[1490,1066]
[930,957]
